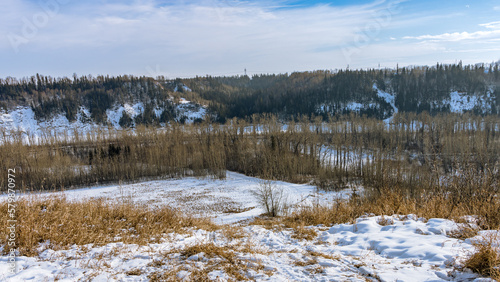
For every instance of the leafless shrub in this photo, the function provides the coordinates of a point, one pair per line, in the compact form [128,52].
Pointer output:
[272,198]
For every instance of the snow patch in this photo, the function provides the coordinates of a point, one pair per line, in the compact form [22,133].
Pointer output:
[116,113]
[190,111]
[207,197]
[390,99]
[460,102]
[354,106]
[22,121]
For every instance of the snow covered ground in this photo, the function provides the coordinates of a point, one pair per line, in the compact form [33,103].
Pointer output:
[116,113]
[409,249]
[392,248]
[227,201]
[190,111]
[389,98]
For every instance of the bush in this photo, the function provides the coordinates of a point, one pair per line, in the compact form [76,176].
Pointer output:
[272,198]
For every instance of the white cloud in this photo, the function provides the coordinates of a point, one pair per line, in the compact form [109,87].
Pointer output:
[458,36]
[186,36]
[492,25]
[497,8]
[492,33]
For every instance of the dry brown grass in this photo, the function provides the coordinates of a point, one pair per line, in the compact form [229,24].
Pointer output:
[134,272]
[391,201]
[307,262]
[215,258]
[210,250]
[318,269]
[385,221]
[233,232]
[271,223]
[485,260]
[64,223]
[323,255]
[235,258]
[303,233]
[463,231]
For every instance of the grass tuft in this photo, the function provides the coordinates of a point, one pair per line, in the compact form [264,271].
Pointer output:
[485,260]
[464,231]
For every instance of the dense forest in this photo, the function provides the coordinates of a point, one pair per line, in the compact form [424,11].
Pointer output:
[415,89]
[317,93]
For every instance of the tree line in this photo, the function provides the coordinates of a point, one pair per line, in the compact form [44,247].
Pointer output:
[289,96]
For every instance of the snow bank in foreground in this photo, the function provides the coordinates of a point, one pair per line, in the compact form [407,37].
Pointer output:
[374,248]
[408,249]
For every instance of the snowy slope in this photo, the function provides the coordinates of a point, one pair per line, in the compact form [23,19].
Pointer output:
[190,110]
[22,119]
[390,99]
[393,248]
[355,106]
[460,102]
[116,113]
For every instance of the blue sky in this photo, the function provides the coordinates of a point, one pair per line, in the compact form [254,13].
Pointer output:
[223,37]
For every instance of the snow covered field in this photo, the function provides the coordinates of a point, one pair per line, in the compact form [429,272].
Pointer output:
[392,248]
[227,201]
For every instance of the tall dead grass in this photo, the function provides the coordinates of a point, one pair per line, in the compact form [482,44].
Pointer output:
[62,223]
[485,259]
[390,202]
